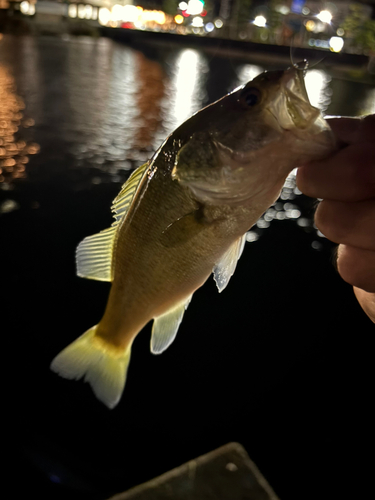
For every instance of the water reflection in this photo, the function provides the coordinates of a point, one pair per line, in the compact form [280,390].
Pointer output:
[113,106]
[102,90]
[14,150]
[318,90]
[187,90]
[150,93]
[369,102]
[247,72]
[115,97]
[8,206]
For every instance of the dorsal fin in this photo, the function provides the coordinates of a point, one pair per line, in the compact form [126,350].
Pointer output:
[225,268]
[94,253]
[123,200]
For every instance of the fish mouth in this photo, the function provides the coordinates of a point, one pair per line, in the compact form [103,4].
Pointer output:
[292,108]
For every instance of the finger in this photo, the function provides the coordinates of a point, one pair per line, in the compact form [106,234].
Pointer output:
[344,129]
[366,301]
[352,130]
[348,175]
[348,223]
[357,267]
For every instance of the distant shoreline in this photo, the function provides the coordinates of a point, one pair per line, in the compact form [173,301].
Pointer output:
[263,52]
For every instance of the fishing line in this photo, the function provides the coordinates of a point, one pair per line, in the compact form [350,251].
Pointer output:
[330,30]
[303,65]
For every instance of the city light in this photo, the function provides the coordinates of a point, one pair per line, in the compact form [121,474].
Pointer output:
[104,16]
[130,13]
[127,14]
[118,12]
[156,16]
[27,8]
[194,7]
[325,16]
[197,22]
[81,11]
[310,25]
[336,43]
[89,12]
[72,10]
[260,21]
[24,7]
[190,17]
[316,42]
[283,9]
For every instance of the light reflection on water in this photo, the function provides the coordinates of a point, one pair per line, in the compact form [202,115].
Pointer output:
[102,100]
[248,72]
[14,149]
[186,90]
[110,106]
[151,92]
[369,103]
[284,209]
[133,105]
[317,86]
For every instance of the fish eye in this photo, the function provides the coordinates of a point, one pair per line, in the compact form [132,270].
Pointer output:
[250,97]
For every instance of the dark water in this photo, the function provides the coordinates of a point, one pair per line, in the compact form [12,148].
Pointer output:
[281,361]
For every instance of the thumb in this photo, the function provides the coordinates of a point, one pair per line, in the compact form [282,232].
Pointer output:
[366,301]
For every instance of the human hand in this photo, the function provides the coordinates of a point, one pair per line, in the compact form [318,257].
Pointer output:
[346,183]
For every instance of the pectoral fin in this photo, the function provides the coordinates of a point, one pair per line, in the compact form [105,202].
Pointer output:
[225,268]
[164,329]
[183,230]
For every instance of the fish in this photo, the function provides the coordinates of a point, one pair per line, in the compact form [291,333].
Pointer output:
[184,215]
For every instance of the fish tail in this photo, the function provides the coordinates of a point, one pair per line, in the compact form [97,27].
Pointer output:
[102,365]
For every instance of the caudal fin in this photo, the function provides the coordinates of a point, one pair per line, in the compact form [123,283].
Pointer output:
[102,366]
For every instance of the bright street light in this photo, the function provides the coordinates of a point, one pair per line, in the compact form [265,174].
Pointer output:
[336,43]
[197,22]
[325,16]
[194,7]
[260,21]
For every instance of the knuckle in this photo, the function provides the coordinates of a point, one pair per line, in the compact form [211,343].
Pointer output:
[330,222]
[357,267]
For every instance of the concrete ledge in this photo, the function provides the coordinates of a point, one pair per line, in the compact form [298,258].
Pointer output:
[223,474]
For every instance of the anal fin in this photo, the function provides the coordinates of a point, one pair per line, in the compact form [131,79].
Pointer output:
[225,268]
[164,329]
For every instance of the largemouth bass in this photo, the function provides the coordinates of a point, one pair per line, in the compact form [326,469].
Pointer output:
[184,215]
